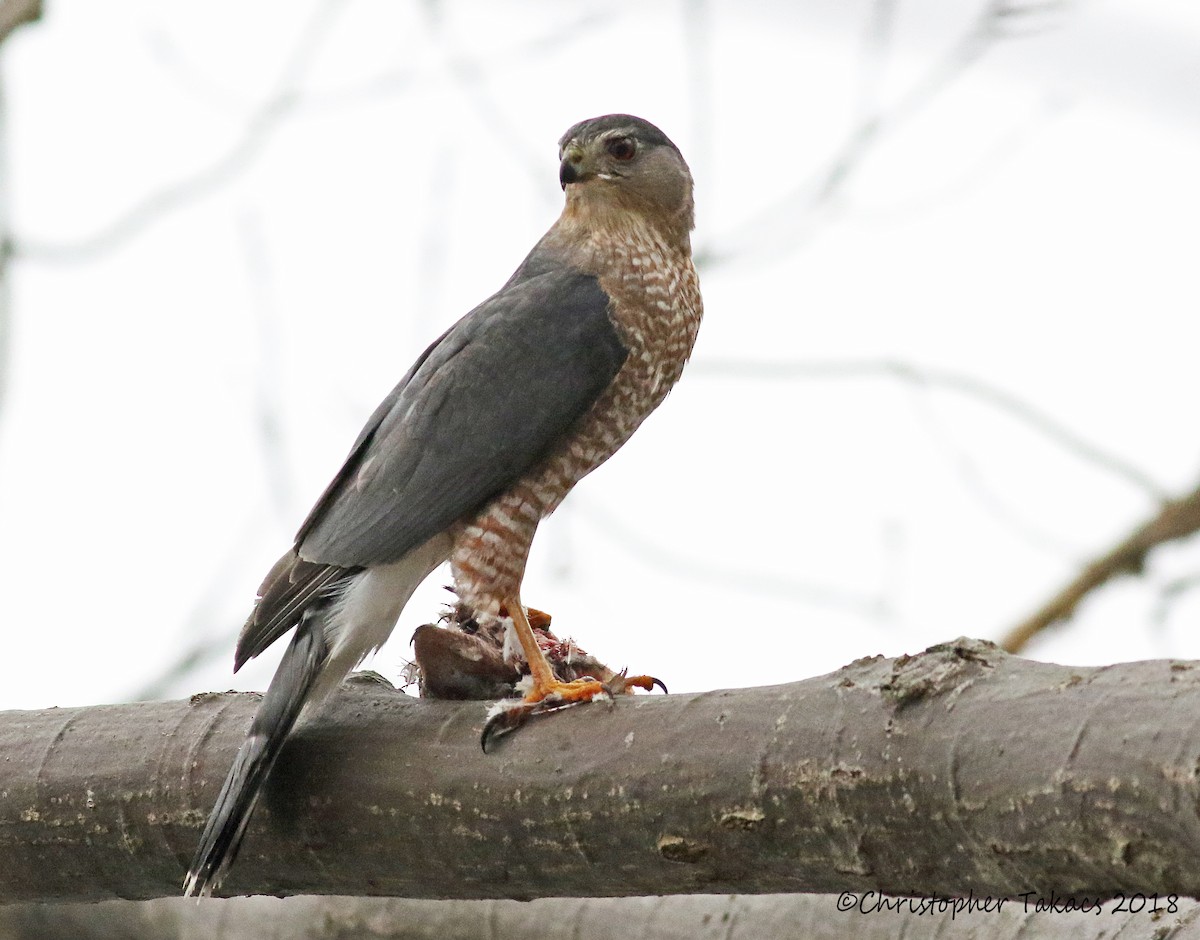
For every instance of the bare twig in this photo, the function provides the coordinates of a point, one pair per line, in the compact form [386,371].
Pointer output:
[197,643]
[932,377]
[795,216]
[1170,593]
[759,583]
[470,75]
[400,79]
[224,169]
[191,78]
[433,252]
[268,406]
[968,177]
[14,13]
[975,481]
[877,39]
[1176,519]
[697,28]
[190,660]
[6,250]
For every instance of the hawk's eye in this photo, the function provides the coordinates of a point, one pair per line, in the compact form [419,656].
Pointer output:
[623,148]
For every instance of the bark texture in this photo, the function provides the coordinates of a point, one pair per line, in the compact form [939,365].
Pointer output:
[961,769]
[695,917]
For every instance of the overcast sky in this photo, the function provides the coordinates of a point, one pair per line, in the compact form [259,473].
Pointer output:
[237,224]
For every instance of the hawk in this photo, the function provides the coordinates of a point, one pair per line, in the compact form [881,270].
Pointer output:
[487,433]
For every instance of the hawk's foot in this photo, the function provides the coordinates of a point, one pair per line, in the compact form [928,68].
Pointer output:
[508,715]
[622,683]
[545,692]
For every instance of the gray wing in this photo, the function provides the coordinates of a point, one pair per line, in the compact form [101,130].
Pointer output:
[486,402]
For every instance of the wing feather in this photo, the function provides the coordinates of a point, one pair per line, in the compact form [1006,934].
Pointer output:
[292,586]
[485,403]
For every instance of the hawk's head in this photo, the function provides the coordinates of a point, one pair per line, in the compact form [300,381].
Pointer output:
[626,162]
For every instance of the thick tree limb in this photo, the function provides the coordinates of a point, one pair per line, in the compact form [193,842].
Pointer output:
[696,917]
[1176,519]
[958,770]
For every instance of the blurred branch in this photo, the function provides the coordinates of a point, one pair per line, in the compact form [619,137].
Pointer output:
[697,28]
[257,132]
[200,643]
[1171,592]
[434,250]
[712,574]
[481,67]
[6,250]
[930,377]
[968,177]
[471,76]
[201,652]
[268,406]
[1177,518]
[975,481]
[792,218]
[14,13]
[876,40]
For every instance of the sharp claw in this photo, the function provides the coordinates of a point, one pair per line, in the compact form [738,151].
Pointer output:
[507,716]
[501,720]
[622,683]
[488,727]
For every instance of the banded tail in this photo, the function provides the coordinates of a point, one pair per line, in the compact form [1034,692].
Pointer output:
[281,706]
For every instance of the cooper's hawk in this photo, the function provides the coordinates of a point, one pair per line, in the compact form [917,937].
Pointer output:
[485,435]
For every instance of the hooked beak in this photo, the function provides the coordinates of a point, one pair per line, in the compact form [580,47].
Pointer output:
[572,168]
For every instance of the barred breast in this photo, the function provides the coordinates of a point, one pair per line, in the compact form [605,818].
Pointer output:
[656,309]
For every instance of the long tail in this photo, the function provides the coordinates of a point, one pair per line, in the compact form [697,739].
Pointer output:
[281,706]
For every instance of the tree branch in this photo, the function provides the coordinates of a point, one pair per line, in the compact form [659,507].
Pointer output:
[958,770]
[869,606]
[255,135]
[932,377]
[14,13]
[1176,519]
[696,917]
[792,218]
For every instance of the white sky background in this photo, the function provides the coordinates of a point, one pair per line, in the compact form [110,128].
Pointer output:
[326,186]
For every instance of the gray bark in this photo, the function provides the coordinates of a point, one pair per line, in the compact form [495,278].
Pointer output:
[694,917]
[960,770]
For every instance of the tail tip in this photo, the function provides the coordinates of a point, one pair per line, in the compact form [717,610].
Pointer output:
[199,885]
